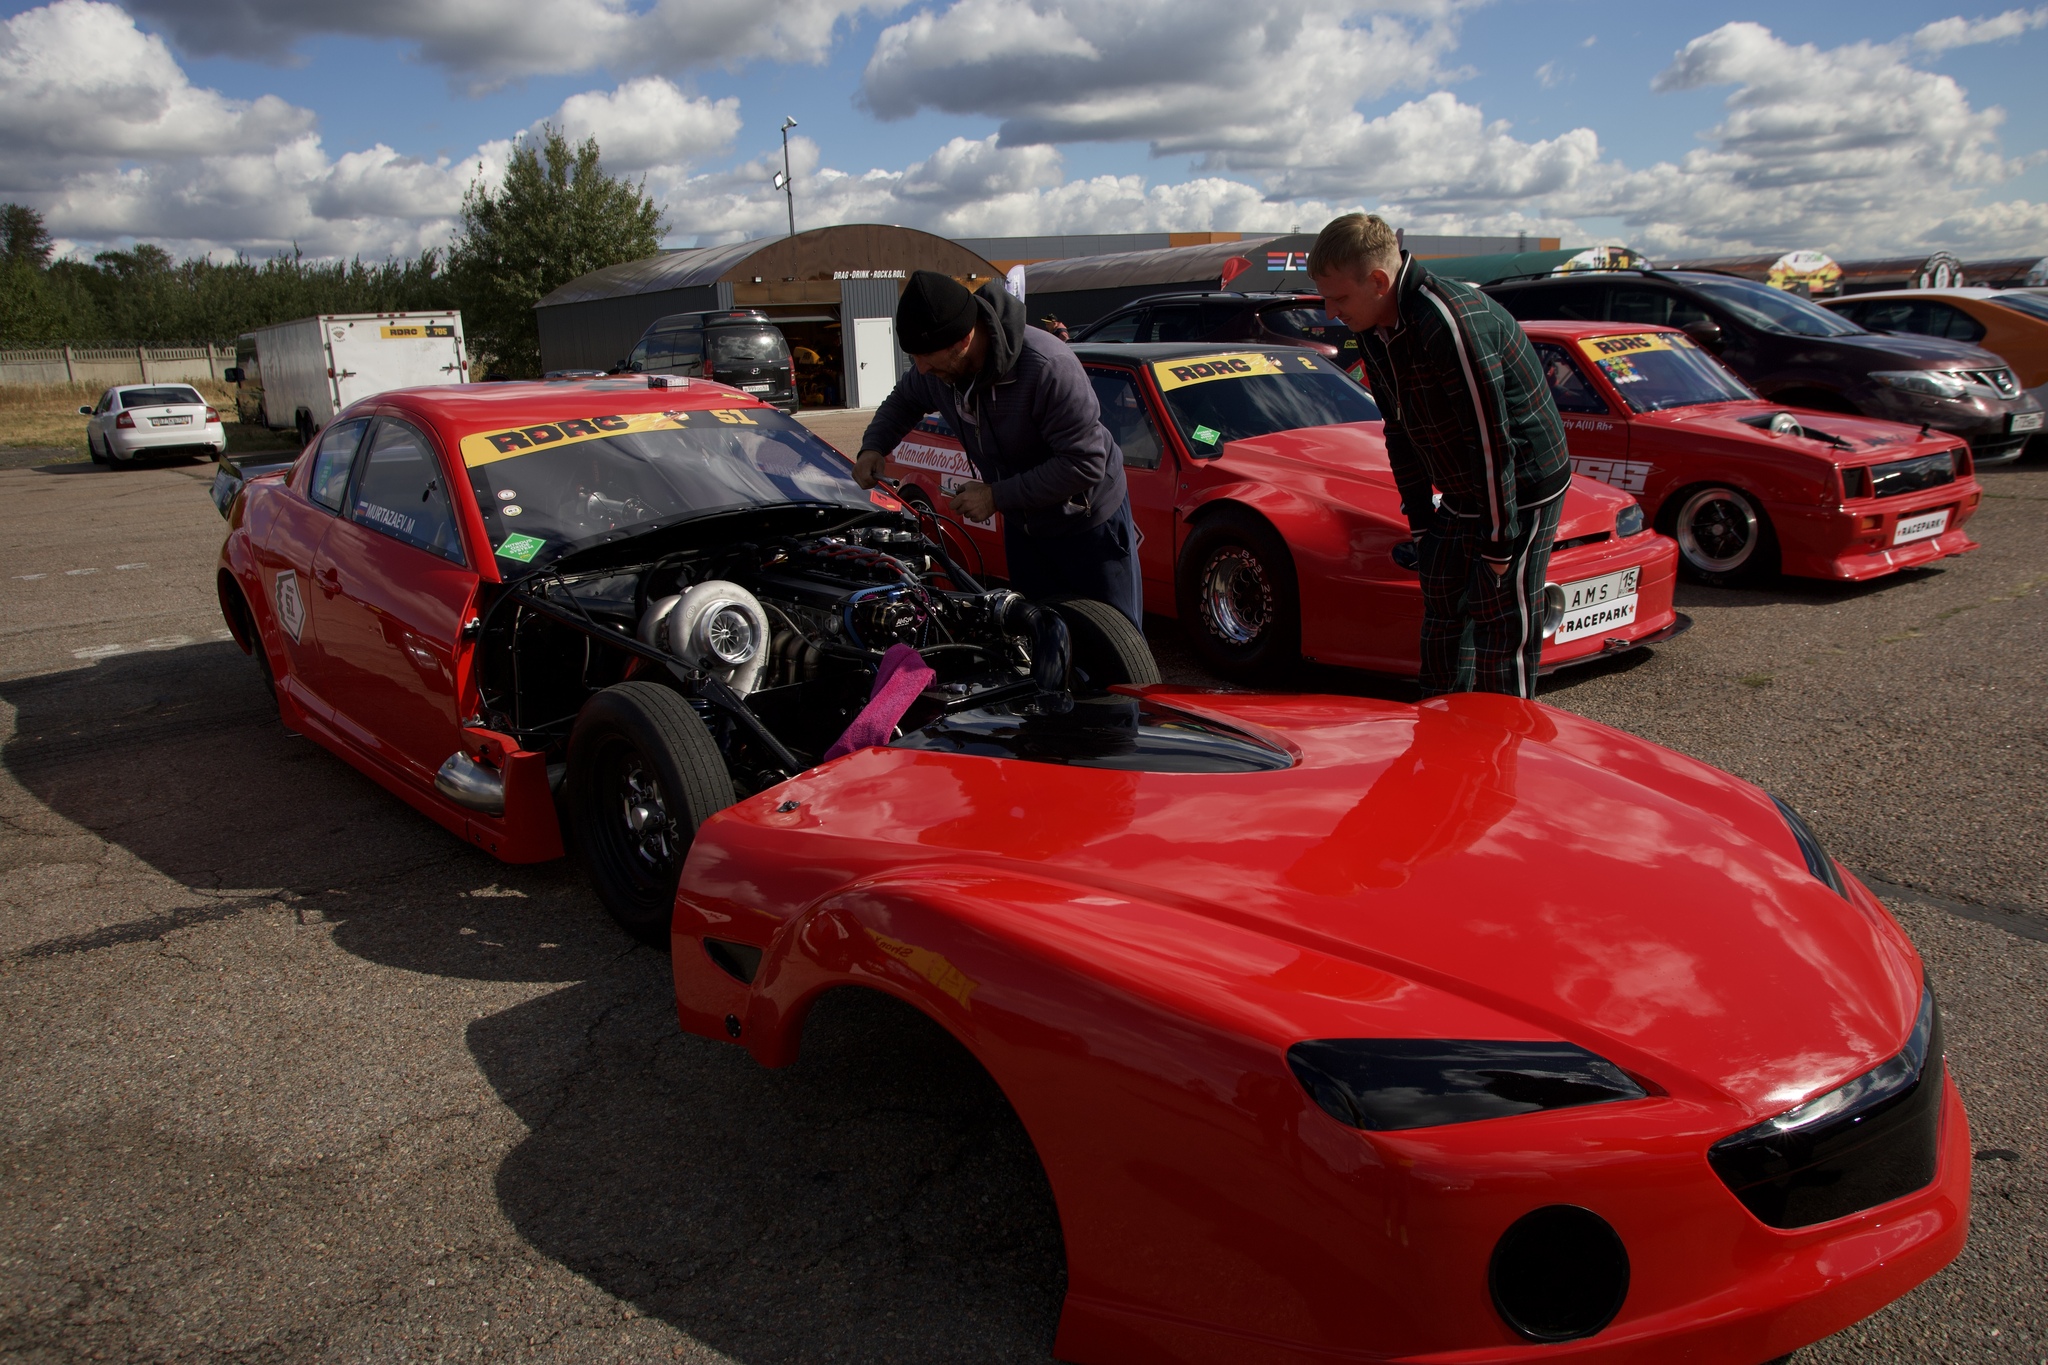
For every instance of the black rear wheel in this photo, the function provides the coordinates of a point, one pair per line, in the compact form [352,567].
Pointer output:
[1108,649]
[1238,597]
[643,775]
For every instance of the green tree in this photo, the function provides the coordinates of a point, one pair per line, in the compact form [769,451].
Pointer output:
[23,237]
[557,216]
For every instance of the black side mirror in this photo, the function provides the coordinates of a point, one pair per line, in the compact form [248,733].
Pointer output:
[85,411]
[1706,332]
[232,374]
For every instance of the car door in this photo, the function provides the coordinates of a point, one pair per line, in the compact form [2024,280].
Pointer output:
[1149,471]
[1596,436]
[287,549]
[392,588]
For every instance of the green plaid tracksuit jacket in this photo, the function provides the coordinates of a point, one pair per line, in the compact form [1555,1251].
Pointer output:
[1468,414]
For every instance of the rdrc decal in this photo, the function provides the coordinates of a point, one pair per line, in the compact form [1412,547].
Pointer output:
[1598,347]
[488,447]
[1174,374]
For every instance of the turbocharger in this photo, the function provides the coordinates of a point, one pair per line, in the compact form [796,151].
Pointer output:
[716,625]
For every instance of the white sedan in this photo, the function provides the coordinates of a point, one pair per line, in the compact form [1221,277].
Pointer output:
[135,420]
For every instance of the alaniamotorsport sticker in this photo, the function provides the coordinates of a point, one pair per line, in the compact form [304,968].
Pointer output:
[1175,374]
[488,447]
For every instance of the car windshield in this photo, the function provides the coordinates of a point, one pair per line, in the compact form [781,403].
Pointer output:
[553,487]
[1773,310]
[2033,305]
[1310,324]
[1219,398]
[170,396]
[745,346]
[1658,370]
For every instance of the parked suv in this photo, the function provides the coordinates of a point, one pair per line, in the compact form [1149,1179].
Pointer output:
[740,347]
[1794,352]
[1261,319]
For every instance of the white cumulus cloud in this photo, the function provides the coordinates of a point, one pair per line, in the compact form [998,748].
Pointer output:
[1943,34]
[648,122]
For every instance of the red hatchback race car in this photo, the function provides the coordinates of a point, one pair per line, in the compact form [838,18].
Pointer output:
[1271,527]
[1749,487]
[1347,1030]
[635,599]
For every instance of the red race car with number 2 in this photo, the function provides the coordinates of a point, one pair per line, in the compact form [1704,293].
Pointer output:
[1271,527]
[1749,487]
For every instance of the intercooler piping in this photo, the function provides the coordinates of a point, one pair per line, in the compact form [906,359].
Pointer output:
[1051,649]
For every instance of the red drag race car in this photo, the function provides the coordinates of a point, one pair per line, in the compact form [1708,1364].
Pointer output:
[633,600]
[1348,1030]
[1744,485]
[1271,526]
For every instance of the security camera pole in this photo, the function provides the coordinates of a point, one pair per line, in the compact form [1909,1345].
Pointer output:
[782,182]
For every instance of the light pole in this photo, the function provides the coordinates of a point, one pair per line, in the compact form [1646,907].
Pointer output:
[782,182]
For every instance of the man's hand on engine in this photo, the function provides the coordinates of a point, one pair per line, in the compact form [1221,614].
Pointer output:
[974,501]
[867,468]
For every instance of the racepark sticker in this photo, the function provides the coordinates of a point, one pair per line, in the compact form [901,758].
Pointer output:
[291,608]
[1176,374]
[520,547]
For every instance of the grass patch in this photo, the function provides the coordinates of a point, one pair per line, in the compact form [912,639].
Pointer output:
[47,415]
[1756,680]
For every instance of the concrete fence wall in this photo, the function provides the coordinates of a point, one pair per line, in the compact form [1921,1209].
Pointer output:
[104,365]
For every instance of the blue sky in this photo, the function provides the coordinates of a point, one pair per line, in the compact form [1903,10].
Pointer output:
[1675,128]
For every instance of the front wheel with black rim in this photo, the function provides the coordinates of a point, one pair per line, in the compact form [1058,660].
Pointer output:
[1723,536]
[1108,651]
[643,775]
[1238,598]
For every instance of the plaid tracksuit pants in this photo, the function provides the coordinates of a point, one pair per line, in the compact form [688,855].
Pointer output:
[1482,631]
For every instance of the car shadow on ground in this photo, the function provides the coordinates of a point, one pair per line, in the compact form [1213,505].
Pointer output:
[879,1196]
[1779,590]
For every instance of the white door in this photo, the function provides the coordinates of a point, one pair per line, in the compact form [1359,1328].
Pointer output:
[874,359]
[374,355]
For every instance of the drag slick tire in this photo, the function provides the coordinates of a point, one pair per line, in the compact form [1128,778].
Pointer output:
[1723,536]
[1238,598]
[1108,649]
[643,775]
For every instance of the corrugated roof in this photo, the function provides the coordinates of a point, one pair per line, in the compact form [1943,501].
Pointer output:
[1122,269]
[653,274]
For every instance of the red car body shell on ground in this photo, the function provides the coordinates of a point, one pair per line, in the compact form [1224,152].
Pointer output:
[1131,955]
[1330,495]
[1823,526]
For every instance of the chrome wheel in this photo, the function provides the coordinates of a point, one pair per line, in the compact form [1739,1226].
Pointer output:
[650,830]
[1236,596]
[1718,530]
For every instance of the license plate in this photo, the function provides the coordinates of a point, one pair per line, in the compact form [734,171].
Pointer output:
[2026,421]
[1593,606]
[1591,592]
[170,421]
[1926,526]
[759,388]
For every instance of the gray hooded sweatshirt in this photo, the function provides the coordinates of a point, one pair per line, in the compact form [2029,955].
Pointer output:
[1029,421]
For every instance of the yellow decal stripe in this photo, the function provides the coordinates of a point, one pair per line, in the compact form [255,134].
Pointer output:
[1604,348]
[1177,374]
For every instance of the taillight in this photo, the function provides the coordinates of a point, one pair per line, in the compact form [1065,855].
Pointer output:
[212,416]
[792,373]
[126,419]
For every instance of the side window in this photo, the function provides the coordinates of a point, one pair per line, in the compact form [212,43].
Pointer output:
[1656,307]
[1568,383]
[1123,412]
[1855,312]
[637,362]
[401,491]
[1122,327]
[1176,322]
[659,348]
[687,355]
[1947,320]
[106,402]
[1891,315]
[1215,317]
[1570,302]
[336,456]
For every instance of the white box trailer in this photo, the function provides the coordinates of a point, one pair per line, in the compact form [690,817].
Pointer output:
[299,374]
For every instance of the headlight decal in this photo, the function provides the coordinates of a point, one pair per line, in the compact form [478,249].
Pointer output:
[1391,1084]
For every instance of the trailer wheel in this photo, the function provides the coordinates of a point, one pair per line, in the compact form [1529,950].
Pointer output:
[307,430]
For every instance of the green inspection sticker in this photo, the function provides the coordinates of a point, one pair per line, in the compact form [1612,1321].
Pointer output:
[1208,436]
[521,548]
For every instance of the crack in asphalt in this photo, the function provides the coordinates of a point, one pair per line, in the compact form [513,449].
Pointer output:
[2014,920]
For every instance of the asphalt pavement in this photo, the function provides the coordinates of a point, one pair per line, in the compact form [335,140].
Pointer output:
[287,1073]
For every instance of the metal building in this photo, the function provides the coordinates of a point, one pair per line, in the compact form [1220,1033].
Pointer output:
[831,290]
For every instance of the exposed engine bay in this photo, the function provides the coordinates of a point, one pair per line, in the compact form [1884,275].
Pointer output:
[775,639]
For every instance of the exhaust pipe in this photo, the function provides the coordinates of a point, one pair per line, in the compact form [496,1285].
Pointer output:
[469,784]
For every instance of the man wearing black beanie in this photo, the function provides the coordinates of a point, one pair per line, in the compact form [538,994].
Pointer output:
[1023,407]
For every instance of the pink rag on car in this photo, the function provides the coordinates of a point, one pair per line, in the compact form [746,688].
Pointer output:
[903,675]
